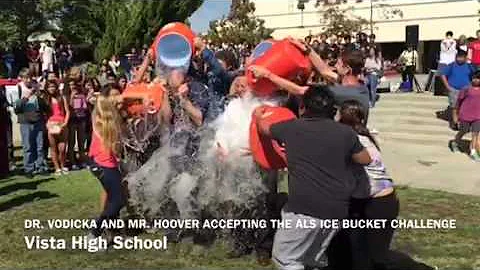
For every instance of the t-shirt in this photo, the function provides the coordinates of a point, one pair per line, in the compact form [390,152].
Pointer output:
[47,55]
[32,54]
[319,160]
[475,48]
[448,51]
[458,76]
[359,92]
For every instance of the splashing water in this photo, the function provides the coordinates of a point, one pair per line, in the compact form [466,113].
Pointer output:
[163,188]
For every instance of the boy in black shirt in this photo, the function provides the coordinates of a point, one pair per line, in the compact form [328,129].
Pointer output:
[320,154]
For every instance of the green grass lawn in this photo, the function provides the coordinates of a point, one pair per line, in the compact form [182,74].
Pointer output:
[77,196]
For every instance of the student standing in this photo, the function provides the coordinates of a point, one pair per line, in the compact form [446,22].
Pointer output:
[317,190]
[77,125]
[31,109]
[448,50]
[57,125]
[373,69]
[474,51]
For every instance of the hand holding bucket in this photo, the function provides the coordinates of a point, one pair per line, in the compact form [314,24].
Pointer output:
[283,59]
[174,46]
[267,152]
[150,94]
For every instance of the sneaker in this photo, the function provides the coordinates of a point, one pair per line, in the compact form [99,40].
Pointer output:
[75,167]
[65,170]
[453,145]
[58,172]
[475,156]
[85,166]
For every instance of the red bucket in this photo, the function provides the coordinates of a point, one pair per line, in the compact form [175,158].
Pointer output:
[282,59]
[266,152]
[152,92]
[174,45]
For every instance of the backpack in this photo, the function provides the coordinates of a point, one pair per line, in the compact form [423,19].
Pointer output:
[79,106]
[18,106]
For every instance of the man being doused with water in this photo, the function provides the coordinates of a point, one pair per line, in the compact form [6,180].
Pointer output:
[245,189]
[163,186]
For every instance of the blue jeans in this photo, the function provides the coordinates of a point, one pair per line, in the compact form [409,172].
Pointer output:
[372,87]
[32,142]
[9,67]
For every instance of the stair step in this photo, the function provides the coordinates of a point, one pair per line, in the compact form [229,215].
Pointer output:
[410,104]
[409,120]
[395,111]
[413,129]
[411,96]
[417,139]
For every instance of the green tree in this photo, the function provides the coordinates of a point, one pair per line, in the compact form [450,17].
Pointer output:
[338,21]
[353,23]
[241,26]
[114,26]
[19,18]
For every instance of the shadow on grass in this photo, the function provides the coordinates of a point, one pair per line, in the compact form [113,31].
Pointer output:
[27,185]
[20,200]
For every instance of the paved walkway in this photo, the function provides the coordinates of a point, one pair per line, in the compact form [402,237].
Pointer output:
[414,144]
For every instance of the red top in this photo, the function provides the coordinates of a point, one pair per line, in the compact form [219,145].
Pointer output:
[32,54]
[475,48]
[102,156]
[58,116]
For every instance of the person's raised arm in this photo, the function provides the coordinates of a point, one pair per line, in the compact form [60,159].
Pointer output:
[289,86]
[320,65]
[193,112]
[262,126]
[143,67]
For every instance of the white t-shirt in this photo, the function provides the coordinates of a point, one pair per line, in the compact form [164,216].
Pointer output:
[47,55]
[448,51]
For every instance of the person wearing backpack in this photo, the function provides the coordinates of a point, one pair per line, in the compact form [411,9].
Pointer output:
[31,110]
[77,125]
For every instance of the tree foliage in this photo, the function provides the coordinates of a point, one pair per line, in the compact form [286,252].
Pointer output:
[19,18]
[112,26]
[241,26]
[342,21]
[338,21]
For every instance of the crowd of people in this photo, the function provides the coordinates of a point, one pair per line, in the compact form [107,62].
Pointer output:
[82,120]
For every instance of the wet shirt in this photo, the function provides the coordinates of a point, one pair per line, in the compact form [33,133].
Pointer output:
[319,153]
[200,98]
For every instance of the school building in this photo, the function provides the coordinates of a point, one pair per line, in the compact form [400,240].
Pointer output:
[390,18]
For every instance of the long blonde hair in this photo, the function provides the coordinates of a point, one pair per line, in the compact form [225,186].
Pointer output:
[107,122]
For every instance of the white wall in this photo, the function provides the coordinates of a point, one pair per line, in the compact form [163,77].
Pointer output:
[434,17]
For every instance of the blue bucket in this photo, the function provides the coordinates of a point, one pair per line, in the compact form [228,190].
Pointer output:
[174,51]
[261,48]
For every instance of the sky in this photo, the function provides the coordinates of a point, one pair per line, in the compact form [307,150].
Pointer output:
[210,10]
